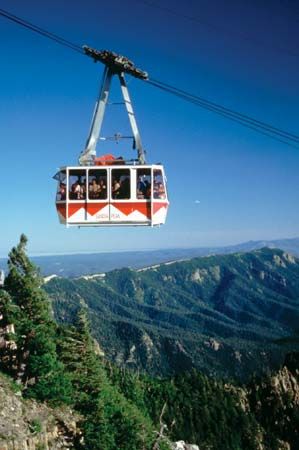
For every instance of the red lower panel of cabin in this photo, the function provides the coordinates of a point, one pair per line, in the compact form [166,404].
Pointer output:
[84,213]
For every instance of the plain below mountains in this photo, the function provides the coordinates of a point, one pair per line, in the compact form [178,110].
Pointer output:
[232,315]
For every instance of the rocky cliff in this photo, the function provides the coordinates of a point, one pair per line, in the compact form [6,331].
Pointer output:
[28,425]
[274,401]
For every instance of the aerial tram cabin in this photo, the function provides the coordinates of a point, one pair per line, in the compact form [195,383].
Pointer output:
[113,194]
[109,191]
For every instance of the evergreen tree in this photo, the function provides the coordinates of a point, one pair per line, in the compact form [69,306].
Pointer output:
[111,422]
[38,368]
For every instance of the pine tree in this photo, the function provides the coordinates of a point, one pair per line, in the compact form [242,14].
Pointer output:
[110,421]
[38,368]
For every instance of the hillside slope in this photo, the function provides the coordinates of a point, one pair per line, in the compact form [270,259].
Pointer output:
[230,315]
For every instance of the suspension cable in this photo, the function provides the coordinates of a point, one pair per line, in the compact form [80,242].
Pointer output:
[240,118]
[24,23]
[249,122]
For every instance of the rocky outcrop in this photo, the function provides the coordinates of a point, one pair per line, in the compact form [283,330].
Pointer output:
[274,401]
[28,425]
[181,445]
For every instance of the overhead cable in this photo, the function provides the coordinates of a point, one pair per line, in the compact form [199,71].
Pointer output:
[220,28]
[24,23]
[247,121]
[286,134]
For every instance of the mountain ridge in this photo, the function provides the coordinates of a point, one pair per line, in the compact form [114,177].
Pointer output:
[225,315]
[75,265]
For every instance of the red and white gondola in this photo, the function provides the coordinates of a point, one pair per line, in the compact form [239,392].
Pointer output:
[106,191]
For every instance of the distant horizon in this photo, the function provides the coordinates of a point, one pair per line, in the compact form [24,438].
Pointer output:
[149,250]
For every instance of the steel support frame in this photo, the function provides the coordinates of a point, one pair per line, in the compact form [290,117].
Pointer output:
[132,119]
[88,155]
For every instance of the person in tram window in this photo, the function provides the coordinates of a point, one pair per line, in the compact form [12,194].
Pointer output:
[161,191]
[141,188]
[124,191]
[103,189]
[78,190]
[75,190]
[94,189]
[156,190]
[90,189]
[61,195]
[83,190]
[148,189]
[115,188]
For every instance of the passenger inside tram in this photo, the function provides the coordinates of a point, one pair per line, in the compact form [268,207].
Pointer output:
[97,189]
[143,187]
[78,190]
[115,188]
[103,189]
[61,194]
[159,189]
[94,189]
[121,189]
[124,190]
[148,190]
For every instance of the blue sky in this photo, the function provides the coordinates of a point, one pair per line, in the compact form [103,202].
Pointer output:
[227,184]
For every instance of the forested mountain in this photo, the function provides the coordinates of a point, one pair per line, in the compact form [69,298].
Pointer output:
[231,315]
[59,391]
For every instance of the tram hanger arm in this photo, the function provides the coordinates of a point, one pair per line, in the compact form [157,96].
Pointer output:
[88,155]
[132,119]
